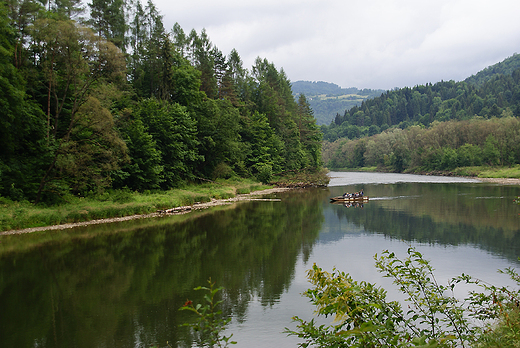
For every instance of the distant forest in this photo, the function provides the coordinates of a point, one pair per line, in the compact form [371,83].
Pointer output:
[117,101]
[489,93]
[328,99]
[434,126]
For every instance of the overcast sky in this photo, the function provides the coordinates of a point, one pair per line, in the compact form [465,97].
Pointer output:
[358,43]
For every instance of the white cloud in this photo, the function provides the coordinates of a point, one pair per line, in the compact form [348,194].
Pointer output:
[365,44]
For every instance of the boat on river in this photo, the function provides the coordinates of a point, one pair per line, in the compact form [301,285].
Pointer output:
[343,199]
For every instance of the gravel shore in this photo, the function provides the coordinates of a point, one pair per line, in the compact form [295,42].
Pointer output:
[501,181]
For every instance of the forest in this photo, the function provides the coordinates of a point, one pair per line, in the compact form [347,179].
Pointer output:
[116,101]
[433,127]
[489,93]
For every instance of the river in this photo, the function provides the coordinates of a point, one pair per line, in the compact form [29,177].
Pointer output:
[121,284]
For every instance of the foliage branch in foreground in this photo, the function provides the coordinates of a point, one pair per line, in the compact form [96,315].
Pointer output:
[210,324]
[363,317]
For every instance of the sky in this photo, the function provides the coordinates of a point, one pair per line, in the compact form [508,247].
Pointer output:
[377,44]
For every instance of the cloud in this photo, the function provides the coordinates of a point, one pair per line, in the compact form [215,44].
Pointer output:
[365,44]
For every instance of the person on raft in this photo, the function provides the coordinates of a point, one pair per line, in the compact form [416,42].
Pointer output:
[355,195]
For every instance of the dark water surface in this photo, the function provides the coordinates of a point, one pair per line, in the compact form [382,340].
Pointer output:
[121,284]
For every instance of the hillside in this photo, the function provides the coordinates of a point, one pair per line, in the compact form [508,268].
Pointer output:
[328,99]
[506,67]
[493,92]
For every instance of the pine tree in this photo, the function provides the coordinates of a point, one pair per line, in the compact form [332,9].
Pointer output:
[67,9]
[22,14]
[108,20]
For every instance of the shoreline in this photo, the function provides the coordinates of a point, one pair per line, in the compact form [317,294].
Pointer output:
[198,206]
[172,211]
[501,181]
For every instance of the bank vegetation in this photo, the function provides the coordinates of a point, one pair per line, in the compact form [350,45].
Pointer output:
[486,147]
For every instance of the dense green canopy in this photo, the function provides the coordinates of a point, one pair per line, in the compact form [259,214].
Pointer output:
[116,100]
[434,126]
[493,92]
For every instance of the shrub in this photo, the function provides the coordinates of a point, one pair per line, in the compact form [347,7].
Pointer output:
[210,324]
[265,173]
[222,171]
[435,318]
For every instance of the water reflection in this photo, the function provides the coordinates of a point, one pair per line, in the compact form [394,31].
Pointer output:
[447,214]
[124,288]
[121,285]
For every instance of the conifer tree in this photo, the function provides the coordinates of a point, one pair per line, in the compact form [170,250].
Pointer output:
[109,22]
[67,9]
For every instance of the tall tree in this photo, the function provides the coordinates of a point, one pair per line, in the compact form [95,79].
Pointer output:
[310,135]
[180,39]
[92,151]
[204,61]
[174,130]
[22,127]
[67,9]
[144,171]
[262,146]
[155,50]
[22,14]
[218,134]
[241,81]
[273,97]
[109,21]
[73,60]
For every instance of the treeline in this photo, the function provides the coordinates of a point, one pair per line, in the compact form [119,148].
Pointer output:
[443,146]
[505,67]
[493,93]
[117,101]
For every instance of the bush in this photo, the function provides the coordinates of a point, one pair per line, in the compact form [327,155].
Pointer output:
[265,173]
[435,318]
[210,322]
[222,171]
[122,196]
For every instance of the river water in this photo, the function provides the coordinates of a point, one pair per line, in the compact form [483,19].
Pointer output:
[121,284]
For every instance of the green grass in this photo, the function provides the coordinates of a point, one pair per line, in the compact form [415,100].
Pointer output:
[477,171]
[358,169]
[19,215]
[505,333]
[505,172]
[490,172]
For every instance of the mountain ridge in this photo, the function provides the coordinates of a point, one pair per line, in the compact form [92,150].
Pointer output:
[328,100]
[493,92]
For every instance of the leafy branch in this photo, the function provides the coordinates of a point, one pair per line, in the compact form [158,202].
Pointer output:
[363,317]
[210,323]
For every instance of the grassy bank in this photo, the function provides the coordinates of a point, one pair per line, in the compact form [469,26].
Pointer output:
[19,215]
[512,172]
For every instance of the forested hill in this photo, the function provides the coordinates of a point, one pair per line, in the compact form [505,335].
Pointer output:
[506,67]
[117,101]
[327,99]
[495,92]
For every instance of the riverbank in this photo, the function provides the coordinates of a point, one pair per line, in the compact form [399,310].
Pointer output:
[131,206]
[501,181]
[124,205]
[172,211]
[497,175]
[121,205]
